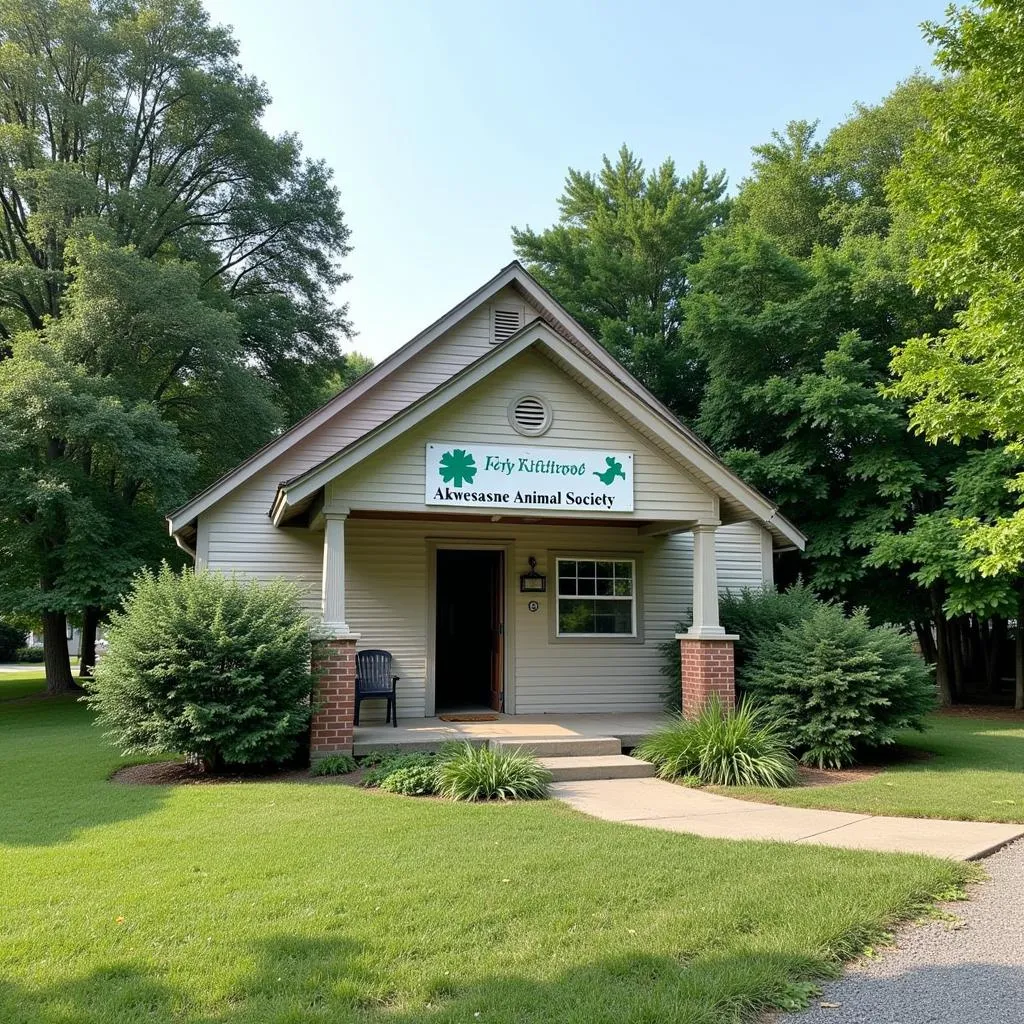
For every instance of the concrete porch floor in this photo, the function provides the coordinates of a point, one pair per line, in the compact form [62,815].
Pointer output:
[431,733]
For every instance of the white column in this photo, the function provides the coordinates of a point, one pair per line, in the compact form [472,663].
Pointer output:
[705,585]
[333,587]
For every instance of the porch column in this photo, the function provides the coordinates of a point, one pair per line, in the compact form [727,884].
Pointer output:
[333,661]
[333,585]
[706,650]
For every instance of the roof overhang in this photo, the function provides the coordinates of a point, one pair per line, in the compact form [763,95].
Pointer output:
[294,496]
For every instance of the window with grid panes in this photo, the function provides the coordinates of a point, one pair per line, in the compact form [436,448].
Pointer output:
[596,597]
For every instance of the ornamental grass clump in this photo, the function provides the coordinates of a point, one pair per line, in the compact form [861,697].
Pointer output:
[745,746]
[334,764]
[840,685]
[206,665]
[465,772]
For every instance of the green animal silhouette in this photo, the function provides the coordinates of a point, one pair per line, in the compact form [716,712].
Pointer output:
[614,469]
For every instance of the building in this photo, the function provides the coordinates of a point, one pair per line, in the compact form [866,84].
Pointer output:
[507,510]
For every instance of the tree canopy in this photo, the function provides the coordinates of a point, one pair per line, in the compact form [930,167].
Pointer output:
[167,279]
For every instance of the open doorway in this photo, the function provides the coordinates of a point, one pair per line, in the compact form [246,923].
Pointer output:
[469,645]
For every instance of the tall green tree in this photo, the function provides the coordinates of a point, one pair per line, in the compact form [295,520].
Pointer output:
[962,189]
[167,256]
[619,260]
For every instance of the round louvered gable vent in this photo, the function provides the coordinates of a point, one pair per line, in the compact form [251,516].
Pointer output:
[529,415]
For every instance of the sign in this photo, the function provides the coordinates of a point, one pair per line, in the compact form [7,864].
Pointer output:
[509,476]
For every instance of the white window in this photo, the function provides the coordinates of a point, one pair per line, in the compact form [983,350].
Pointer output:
[596,597]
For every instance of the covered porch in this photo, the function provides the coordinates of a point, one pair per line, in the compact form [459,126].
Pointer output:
[431,733]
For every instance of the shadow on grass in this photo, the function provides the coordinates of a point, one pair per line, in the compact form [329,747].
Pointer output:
[53,780]
[299,980]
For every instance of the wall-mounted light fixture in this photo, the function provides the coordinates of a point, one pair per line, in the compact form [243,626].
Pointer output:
[532,582]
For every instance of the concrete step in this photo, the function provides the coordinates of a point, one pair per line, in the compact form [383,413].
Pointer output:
[559,746]
[598,766]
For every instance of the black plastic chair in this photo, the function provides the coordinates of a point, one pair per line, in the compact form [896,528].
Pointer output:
[374,681]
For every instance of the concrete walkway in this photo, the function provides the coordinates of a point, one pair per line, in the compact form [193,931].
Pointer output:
[652,803]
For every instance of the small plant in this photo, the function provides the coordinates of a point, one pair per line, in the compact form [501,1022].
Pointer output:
[465,772]
[206,665]
[334,764]
[381,765]
[416,780]
[840,685]
[741,747]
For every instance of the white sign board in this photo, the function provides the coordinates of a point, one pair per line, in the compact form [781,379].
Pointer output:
[512,476]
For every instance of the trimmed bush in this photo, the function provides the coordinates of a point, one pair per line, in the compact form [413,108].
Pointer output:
[840,685]
[334,764]
[416,780]
[12,640]
[751,615]
[29,655]
[206,665]
[465,772]
[742,747]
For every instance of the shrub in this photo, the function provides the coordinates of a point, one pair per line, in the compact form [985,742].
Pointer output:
[745,746]
[29,655]
[208,666]
[12,640]
[465,772]
[334,764]
[840,685]
[751,615]
[415,780]
[381,765]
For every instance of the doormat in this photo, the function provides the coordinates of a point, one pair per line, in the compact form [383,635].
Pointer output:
[469,718]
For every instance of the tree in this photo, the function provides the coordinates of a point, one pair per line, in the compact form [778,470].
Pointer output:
[962,189]
[619,260]
[169,257]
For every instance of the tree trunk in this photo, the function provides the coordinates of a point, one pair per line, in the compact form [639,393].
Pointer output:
[55,653]
[941,652]
[926,640]
[87,650]
[1018,696]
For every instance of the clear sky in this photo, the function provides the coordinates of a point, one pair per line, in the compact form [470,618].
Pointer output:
[448,121]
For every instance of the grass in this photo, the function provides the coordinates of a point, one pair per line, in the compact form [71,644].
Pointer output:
[22,683]
[975,773]
[281,903]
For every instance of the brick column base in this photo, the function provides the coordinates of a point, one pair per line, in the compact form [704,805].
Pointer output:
[708,670]
[334,700]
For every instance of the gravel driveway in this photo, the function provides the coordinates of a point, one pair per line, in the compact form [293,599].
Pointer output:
[943,972]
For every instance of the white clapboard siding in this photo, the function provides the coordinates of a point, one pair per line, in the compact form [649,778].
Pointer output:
[392,479]
[739,548]
[387,600]
[236,533]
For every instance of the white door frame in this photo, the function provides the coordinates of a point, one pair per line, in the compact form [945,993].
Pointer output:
[506,547]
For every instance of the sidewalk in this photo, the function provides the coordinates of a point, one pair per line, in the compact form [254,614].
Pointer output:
[652,803]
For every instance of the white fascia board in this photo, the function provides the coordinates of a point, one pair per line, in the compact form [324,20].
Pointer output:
[693,456]
[181,517]
[301,487]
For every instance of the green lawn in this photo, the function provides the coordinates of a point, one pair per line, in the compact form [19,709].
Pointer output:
[976,773]
[253,903]
[22,683]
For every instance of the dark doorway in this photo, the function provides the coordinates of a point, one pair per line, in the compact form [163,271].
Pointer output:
[469,645]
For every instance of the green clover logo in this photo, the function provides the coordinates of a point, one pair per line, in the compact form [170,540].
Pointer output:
[457,467]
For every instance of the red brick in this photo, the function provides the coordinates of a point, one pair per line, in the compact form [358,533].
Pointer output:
[707,669]
[334,665]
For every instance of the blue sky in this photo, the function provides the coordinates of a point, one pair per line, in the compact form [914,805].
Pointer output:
[448,121]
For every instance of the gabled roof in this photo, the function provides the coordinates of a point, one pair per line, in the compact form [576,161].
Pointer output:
[576,346]
[744,501]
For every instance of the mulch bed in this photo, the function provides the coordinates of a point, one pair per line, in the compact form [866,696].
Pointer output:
[178,773]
